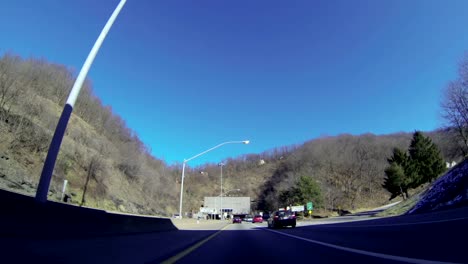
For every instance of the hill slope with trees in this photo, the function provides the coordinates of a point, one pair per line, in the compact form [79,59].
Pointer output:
[108,166]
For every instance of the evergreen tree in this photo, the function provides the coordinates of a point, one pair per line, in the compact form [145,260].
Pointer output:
[426,160]
[423,164]
[310,191]
[397,181]
[305,190]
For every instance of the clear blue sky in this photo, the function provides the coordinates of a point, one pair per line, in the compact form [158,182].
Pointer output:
[188,75]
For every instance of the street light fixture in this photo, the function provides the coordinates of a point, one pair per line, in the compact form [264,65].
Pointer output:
[196,156]
[52,153]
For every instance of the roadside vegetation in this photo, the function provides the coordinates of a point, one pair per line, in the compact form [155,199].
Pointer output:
[406,204]
[422,163]
[107,165]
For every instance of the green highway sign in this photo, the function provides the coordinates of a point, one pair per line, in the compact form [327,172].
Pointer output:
[310,206]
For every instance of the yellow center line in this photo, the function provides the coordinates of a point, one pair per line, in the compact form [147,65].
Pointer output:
[182,254]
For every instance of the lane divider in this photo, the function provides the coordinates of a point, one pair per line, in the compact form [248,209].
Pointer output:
[364,252]
[185,252]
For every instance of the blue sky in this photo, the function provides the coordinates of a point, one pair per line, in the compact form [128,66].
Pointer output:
[188,75]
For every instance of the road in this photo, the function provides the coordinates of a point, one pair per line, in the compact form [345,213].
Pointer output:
[427,238]
[438,237]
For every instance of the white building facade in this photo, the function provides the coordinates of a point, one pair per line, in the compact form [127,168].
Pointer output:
[227,205]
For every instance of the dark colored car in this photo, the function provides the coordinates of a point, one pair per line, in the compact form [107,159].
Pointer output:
[282,218]
[257,219]
[236,219]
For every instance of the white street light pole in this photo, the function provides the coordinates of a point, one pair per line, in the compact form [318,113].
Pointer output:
[196,156]
[225,193]
[233,190]
[49,164]
[221,199]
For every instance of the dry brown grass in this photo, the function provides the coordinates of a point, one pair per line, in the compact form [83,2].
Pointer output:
[405,205]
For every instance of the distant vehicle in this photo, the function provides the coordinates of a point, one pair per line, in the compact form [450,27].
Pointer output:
[257,219]
[176,216]
[248,218]
[282,218]
[236,219]
[265,216]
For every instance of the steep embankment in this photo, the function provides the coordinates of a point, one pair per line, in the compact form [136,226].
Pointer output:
[449,191]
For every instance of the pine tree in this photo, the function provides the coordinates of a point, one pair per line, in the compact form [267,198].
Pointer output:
[397,181]
[423,164]
[305,190]
[310,191]
[426,160]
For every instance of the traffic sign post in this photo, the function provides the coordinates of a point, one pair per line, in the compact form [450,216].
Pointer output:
[310,207]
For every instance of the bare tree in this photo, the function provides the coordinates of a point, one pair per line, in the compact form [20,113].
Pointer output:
[95,165]
[455,104]
[9,90]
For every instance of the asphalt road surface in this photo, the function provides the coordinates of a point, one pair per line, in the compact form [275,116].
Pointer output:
[426,238]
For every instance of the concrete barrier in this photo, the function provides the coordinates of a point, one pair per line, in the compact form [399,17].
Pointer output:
[22,216]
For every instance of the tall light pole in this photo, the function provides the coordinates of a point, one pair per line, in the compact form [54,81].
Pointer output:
[225,193]
[49,164]
[233,190]
[221,199]
[196,156]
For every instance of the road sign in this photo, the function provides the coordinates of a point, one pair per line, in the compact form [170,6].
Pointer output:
[310,206]
[298,208]
[207,210]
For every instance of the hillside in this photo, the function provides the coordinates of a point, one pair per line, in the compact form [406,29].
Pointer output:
[449,191]
[349,170]
[105,162]
[99,154]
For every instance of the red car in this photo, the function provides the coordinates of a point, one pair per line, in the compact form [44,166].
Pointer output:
[257,219]
[236,219]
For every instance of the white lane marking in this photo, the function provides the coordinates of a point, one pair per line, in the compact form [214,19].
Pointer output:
[364,252]
[399,224]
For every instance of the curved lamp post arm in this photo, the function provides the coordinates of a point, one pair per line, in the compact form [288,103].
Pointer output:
[54,147]
[196,156]
[215,147]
